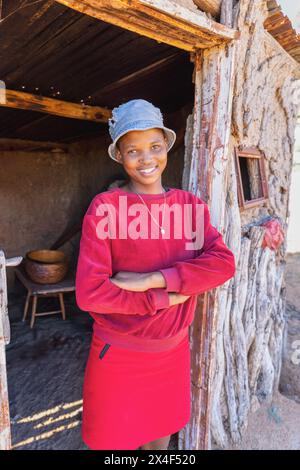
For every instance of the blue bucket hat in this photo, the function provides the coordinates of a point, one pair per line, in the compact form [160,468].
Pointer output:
[136,115]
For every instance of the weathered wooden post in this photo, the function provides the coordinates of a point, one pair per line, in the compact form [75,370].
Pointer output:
[205,174]
[5,436]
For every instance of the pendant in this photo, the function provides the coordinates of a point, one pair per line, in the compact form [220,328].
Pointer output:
[162,230]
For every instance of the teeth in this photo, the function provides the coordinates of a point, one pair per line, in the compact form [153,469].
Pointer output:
[149,170]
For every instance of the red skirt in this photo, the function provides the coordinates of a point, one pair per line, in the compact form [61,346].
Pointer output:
[133,397]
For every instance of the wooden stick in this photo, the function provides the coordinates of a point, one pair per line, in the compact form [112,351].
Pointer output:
[34,303]
[62,305]
[5,435]
[27,101]
[226,13]
[26,305]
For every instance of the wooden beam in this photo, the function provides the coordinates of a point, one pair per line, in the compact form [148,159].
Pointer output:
[161,20]
[209,6]
[21,100]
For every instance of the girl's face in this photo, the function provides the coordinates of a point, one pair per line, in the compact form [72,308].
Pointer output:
[143,155]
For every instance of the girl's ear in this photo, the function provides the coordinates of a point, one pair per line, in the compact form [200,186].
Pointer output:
[165,137]
[118,155]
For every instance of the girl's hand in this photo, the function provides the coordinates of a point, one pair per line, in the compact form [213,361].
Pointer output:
[137,282]
[176,298]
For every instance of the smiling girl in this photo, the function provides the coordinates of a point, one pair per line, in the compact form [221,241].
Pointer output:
[142,291]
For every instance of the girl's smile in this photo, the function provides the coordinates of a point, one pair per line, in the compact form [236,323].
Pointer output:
[149,171]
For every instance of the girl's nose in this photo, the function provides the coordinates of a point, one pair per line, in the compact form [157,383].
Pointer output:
[146,156]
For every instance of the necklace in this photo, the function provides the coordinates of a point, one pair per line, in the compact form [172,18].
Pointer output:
[162,230]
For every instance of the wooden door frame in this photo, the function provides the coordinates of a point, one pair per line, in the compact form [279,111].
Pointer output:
[5,432]
[207,171]
[206,176]
[162,20]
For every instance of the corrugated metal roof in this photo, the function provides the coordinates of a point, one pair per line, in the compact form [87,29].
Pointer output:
[50,50]
[281,28]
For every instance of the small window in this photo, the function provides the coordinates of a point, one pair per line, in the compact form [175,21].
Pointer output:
[251,176]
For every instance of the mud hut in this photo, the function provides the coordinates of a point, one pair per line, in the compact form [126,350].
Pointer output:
[226,76]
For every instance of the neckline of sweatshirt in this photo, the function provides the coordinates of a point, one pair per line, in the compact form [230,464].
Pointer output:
[146,197]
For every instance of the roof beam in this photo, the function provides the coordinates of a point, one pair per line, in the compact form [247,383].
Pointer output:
[27,101]
[161,20]
[139,74]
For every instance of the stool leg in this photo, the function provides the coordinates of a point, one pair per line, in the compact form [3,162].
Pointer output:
[33,310]
[62,305]
[26,305]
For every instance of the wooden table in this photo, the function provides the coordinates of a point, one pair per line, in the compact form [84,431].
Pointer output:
[36,290]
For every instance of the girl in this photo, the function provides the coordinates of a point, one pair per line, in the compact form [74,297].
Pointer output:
[139,276]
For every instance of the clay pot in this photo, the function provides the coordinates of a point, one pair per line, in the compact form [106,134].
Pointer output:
[46,266]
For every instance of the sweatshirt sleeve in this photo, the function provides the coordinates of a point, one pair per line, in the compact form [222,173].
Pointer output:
[214,265]
[94,290]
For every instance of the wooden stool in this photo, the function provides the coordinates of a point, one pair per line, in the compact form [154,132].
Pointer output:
[44,290]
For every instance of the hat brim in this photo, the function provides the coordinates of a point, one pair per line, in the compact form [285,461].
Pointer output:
[170,135]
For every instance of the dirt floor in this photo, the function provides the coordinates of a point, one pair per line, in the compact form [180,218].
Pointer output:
[46,368]
[45,375]
[274,426]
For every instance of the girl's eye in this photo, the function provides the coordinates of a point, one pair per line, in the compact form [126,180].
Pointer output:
[134,151]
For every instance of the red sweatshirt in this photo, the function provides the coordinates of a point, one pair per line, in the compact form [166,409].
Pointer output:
[144,320]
